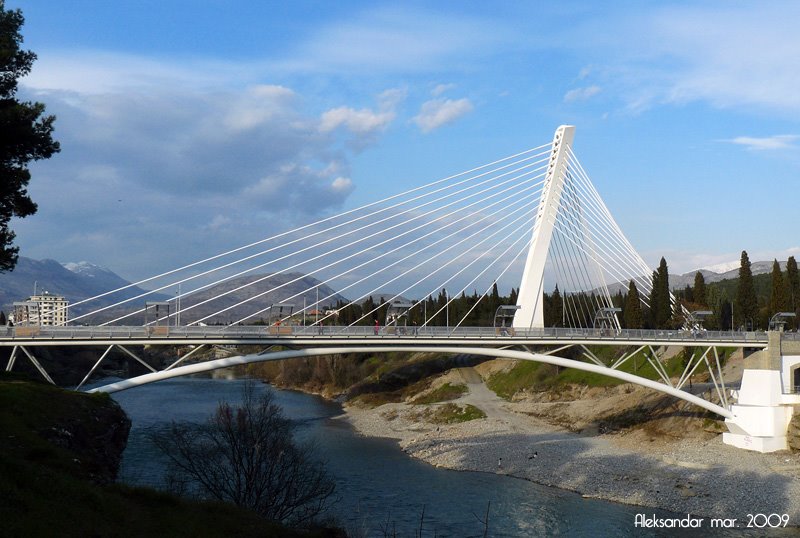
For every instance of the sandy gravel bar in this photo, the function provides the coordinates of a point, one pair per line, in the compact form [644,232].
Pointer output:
[704,478]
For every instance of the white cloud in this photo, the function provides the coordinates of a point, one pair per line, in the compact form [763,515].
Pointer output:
[438,112]
[342,184]
[728,54]
[398,39]
[439,89]
[775,142]
[581,94]
[363,121]
[200,168]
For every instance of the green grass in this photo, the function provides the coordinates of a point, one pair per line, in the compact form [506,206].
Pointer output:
[451,413]
[442,394]
[524,374]
[541,376]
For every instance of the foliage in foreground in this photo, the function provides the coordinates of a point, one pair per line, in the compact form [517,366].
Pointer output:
[247,455]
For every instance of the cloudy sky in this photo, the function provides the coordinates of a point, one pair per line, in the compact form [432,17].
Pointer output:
[192,126]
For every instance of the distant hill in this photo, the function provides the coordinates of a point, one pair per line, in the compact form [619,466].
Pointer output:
[757,268]
[679,282]
[75,281]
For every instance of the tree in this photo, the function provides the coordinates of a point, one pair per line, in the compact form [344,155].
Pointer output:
[247,455]
[724,315]
[633,308]
[792,288]
[699,291]
[746,303]
[777,298]
[556,309]
[25,134]
[660,301]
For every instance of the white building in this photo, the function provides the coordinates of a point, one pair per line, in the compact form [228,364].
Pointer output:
[42,309]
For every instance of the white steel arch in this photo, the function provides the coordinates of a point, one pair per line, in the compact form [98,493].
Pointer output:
[500,353]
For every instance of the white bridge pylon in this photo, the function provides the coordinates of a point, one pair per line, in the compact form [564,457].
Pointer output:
[577,240]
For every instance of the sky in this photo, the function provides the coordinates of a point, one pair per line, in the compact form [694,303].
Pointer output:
[189,127]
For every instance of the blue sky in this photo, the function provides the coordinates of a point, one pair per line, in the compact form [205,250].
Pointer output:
[189,127]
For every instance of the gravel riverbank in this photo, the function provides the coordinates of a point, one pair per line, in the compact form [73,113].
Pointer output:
[701,477]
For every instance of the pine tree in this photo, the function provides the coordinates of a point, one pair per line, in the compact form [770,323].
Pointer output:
[777,299]
[633,308]
[746,303]
[25,134]
[699,291]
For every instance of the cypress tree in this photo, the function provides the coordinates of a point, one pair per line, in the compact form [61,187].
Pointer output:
[556,309]
[699,291]
[660,304]
[724,315]
[777,299]
[746,310]
[633,308]
[792,289]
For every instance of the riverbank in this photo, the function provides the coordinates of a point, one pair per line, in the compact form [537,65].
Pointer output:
[694,474]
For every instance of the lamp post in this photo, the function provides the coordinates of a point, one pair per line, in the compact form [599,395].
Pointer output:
[603,315]
[697,317]
[777,322]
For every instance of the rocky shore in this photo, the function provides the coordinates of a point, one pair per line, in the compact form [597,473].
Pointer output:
[696,475]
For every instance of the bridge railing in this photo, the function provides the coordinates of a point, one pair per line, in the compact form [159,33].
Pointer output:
[372,332]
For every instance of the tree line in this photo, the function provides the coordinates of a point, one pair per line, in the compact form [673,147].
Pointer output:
[744,303]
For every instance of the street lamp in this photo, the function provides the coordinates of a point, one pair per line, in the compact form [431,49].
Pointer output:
[503,313]
[280,307]
[777,322]
[606,315]
[696,318]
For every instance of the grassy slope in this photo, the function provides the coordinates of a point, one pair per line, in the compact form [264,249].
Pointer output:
[540,376]
[45,489]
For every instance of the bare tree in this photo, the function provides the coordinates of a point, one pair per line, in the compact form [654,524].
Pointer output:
[247,455]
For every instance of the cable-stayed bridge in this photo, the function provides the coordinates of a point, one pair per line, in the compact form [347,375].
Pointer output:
[532,220]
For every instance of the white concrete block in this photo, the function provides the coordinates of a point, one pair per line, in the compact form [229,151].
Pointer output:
[762,421]
[758,444]
[760,387]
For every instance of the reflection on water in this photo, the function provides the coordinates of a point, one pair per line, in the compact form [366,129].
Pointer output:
[380,487]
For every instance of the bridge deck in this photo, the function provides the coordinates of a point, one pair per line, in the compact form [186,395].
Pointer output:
[334,335]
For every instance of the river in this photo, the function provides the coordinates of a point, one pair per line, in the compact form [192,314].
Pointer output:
[376,481]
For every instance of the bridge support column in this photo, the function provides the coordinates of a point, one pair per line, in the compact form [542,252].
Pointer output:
[766,398]
[531,289]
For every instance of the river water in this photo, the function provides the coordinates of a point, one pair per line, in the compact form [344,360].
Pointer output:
[378,484]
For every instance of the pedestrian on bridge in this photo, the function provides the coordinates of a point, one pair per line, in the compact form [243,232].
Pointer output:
[377,327]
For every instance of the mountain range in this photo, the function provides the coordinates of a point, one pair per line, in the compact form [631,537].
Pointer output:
[75,281]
